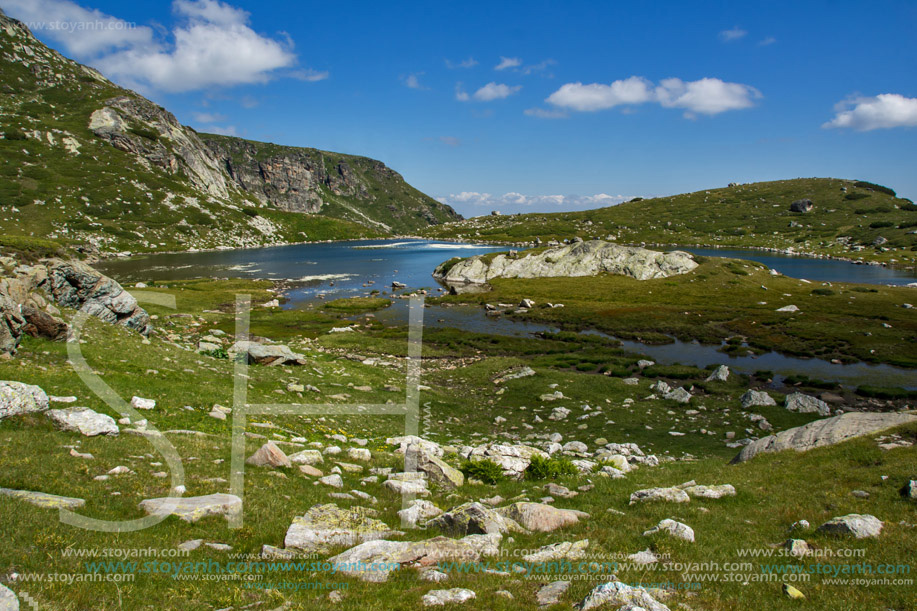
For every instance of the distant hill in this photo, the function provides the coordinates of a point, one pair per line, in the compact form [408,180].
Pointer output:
[848,219]
[86,163]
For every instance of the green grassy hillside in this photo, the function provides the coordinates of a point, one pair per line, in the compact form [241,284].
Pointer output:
[843,223]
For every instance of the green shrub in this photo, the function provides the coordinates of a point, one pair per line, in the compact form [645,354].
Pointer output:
[864,289]
[881,224]
[249,212]
[876,210]
[824,292]
[485,470]
[549,468]
[910,207]
[855,196]
[14,134]
[862,184]
[217,353]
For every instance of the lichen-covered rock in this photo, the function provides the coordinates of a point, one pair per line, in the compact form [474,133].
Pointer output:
[84,421]
[437,470]
[720,374]
[374,561]
[8,600]
[564,550]
[323,527]
[43,499]
[671,495]
[18,398]
[441,598]
[307,457]
[579,259]
[194,508]
[710,492]
[541,517]
[551,593]
[474,518]
[854,524]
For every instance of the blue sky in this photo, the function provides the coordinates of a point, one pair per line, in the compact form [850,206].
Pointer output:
[529,106]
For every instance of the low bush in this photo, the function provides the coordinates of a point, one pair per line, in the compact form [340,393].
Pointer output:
[549,468]
[485,470]
[862,184]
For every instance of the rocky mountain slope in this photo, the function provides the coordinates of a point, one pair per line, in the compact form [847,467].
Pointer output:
[847,218]
[85,162]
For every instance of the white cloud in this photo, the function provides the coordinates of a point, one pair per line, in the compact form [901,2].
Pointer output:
[508,62]
[707,96]
[82,32]
[544,113]
[495,91]
[450,141]
[596,96]
[223,130]
[460,94]
[309,75]
[883,111]
[412,81]
[472,202]
[734,34]
[767,41]
[212,45]
[539,67]
[208,117]
[465,63]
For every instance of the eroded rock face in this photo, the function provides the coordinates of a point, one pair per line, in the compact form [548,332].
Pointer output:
[672,528]
[327,526]
[672,495]
[824,432]
[73,284]
[578,259]
[185,152]
[17,398]
[755,398]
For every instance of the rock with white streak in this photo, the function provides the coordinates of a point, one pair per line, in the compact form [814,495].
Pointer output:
[672,528]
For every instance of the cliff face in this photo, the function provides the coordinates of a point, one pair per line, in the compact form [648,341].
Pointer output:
[84,161]
[312,181]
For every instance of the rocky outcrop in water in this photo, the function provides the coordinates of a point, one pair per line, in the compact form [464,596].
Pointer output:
[578,259]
